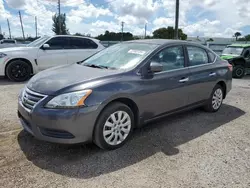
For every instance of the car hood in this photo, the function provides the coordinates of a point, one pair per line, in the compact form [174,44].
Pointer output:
[226,56]
[55,79]
[13,49]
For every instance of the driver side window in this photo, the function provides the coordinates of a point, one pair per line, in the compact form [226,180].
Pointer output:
[171,58]
[58,43]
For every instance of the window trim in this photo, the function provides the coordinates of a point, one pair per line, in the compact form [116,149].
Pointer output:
[67,38]
[208,58]
[81,38]
[170,46]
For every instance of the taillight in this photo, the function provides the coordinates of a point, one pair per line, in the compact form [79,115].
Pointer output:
[230,67]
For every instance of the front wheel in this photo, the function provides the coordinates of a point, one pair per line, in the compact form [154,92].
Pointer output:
[215,101]
[114,126]
[238,71]
[18,71]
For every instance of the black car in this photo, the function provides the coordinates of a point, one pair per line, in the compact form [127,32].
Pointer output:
[103,98]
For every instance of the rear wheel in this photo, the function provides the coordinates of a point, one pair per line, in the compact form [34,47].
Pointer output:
[114,126]
[238,71]
[215,100]
[18,71]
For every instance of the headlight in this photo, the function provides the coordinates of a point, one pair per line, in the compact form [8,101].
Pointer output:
[2,55]
[69,100]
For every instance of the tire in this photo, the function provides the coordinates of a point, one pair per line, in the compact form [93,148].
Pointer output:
[217,95]
[238,71]
[106,124]
[18,71]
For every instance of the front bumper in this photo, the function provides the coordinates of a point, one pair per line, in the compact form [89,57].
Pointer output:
[66,126]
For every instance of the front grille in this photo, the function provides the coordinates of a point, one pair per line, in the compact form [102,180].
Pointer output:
[56,133]
[31,98]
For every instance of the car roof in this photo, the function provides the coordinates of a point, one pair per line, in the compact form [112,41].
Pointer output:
[163,42]
[75,36]
[240,45]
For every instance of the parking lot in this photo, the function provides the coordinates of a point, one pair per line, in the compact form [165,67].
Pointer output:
[192,149]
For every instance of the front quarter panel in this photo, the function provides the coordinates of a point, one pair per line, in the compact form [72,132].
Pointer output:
[29,55]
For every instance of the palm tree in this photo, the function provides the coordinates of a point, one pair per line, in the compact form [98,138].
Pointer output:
[177,19]
[236,35]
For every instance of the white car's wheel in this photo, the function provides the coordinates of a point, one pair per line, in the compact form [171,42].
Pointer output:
[18,71]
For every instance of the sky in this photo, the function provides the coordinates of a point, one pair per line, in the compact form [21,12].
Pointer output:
[203,18]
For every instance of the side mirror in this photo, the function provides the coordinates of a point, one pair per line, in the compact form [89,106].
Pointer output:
[156,67]
[45,46]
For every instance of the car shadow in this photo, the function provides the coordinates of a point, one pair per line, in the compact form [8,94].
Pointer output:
[5,81]
[87,161]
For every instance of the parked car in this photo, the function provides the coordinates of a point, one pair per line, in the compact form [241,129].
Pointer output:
[19,63]
[7,41]
[102,99]
[238,55]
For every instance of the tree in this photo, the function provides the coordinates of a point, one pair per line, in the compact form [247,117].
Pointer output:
[247,37]
[236,35]
[210,40]
[112,36]
[56,26]
[168,33]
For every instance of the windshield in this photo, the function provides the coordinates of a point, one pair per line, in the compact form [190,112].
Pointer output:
[121,56]
[38,42]
[232,50]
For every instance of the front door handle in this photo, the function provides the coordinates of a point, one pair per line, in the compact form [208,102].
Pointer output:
[183,80]
[212,74]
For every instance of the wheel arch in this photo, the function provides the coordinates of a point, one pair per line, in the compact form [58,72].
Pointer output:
[224,87]
[22,59]
[125,100]
[239,61]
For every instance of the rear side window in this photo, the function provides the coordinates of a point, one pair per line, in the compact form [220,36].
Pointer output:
[58,43]
[82,43]
[9,41]
[211,57]
[197,56]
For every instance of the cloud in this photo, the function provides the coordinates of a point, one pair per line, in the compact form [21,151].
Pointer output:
[4,14]
[197,17]
[85,10]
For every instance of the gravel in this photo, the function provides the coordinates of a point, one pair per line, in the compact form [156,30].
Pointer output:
[192,149]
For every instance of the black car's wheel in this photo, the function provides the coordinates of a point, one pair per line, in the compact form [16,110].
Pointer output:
[114,126]
[18,71]
[238,71]
[215,101]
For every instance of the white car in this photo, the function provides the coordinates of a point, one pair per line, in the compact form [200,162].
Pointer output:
[19,63]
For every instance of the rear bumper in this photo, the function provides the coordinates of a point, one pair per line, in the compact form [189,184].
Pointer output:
[66,126]
[229,86]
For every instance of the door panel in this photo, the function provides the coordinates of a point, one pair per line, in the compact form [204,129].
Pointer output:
[203,74]
[202,81]
[75,55]
[164,92]
[167,90]
[51,58]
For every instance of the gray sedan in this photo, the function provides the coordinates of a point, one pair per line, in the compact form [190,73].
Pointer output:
[103,98]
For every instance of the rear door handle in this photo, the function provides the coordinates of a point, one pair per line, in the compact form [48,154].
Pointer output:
[212,74]
[184,80]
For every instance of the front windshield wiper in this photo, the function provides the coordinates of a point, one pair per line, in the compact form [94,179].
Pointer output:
[97,66]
